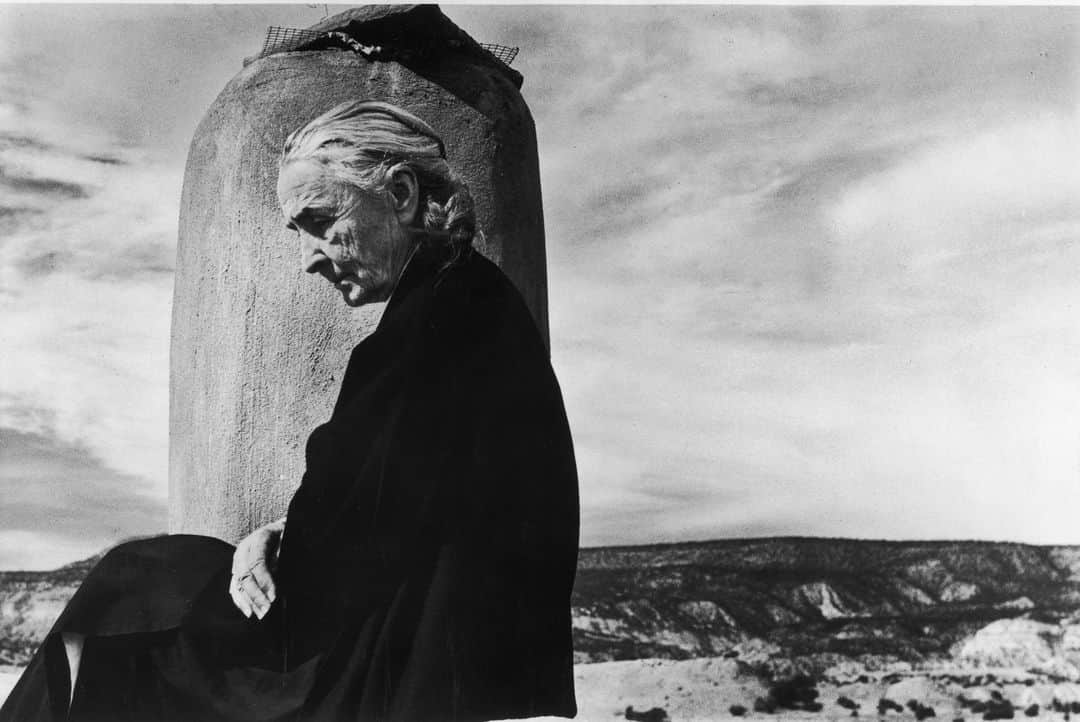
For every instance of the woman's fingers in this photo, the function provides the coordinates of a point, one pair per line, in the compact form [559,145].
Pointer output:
[248,597]
[260,603]
[260,571]
[260,587]
[252,587]
[239,598]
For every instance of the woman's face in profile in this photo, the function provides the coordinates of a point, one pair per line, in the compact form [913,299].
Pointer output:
[348,236]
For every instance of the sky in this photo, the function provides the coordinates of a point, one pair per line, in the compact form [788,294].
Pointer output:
[812,271]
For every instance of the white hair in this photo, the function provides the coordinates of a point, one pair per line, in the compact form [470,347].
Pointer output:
[364,142]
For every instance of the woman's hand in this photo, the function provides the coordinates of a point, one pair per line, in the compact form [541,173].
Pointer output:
[252,585]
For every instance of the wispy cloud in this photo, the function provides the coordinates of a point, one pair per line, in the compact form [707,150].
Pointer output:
[86,264]
[810,268]
[40,549]
[84,504]
[86,271]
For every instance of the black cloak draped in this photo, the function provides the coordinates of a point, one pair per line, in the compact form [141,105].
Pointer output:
[428,558]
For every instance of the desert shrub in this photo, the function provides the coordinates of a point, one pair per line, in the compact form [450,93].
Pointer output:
[737,710]
[884,705]
[847,703]
[1032,710]
[656,714]
[798,692]
[998,708]
[920,710]
[760,669]
[762,704]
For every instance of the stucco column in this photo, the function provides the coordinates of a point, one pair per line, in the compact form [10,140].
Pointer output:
[258,346]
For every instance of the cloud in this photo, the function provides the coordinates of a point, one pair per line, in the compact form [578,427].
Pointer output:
[750,292]
[966,196]
[84,505]
[106,159]
[49,187]
[142,75]
[88,360]
[810,269]
[86,271]
[40,550]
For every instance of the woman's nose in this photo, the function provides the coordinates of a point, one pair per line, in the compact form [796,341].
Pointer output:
[311,256]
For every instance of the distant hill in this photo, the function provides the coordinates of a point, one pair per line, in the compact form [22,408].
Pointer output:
[817,600]
[29,604]
[805,601]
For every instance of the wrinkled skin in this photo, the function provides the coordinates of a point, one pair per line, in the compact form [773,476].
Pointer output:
[357,240]
[252,585]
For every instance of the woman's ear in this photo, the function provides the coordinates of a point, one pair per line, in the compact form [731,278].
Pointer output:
[405,194]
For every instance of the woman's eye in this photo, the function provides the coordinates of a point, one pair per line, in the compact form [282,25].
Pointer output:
[319,225]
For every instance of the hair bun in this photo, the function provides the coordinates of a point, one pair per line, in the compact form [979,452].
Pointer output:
[454,219]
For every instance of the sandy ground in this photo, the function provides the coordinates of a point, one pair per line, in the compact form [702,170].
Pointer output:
[697,690]
[688,690]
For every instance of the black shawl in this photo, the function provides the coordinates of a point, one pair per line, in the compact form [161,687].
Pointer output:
[440,506]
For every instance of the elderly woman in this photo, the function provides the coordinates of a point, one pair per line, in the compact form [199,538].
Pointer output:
[424,568]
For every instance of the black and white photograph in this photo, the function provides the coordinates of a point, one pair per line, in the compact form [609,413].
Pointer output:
[422,363]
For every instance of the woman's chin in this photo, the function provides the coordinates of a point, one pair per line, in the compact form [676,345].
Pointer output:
[356,295]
